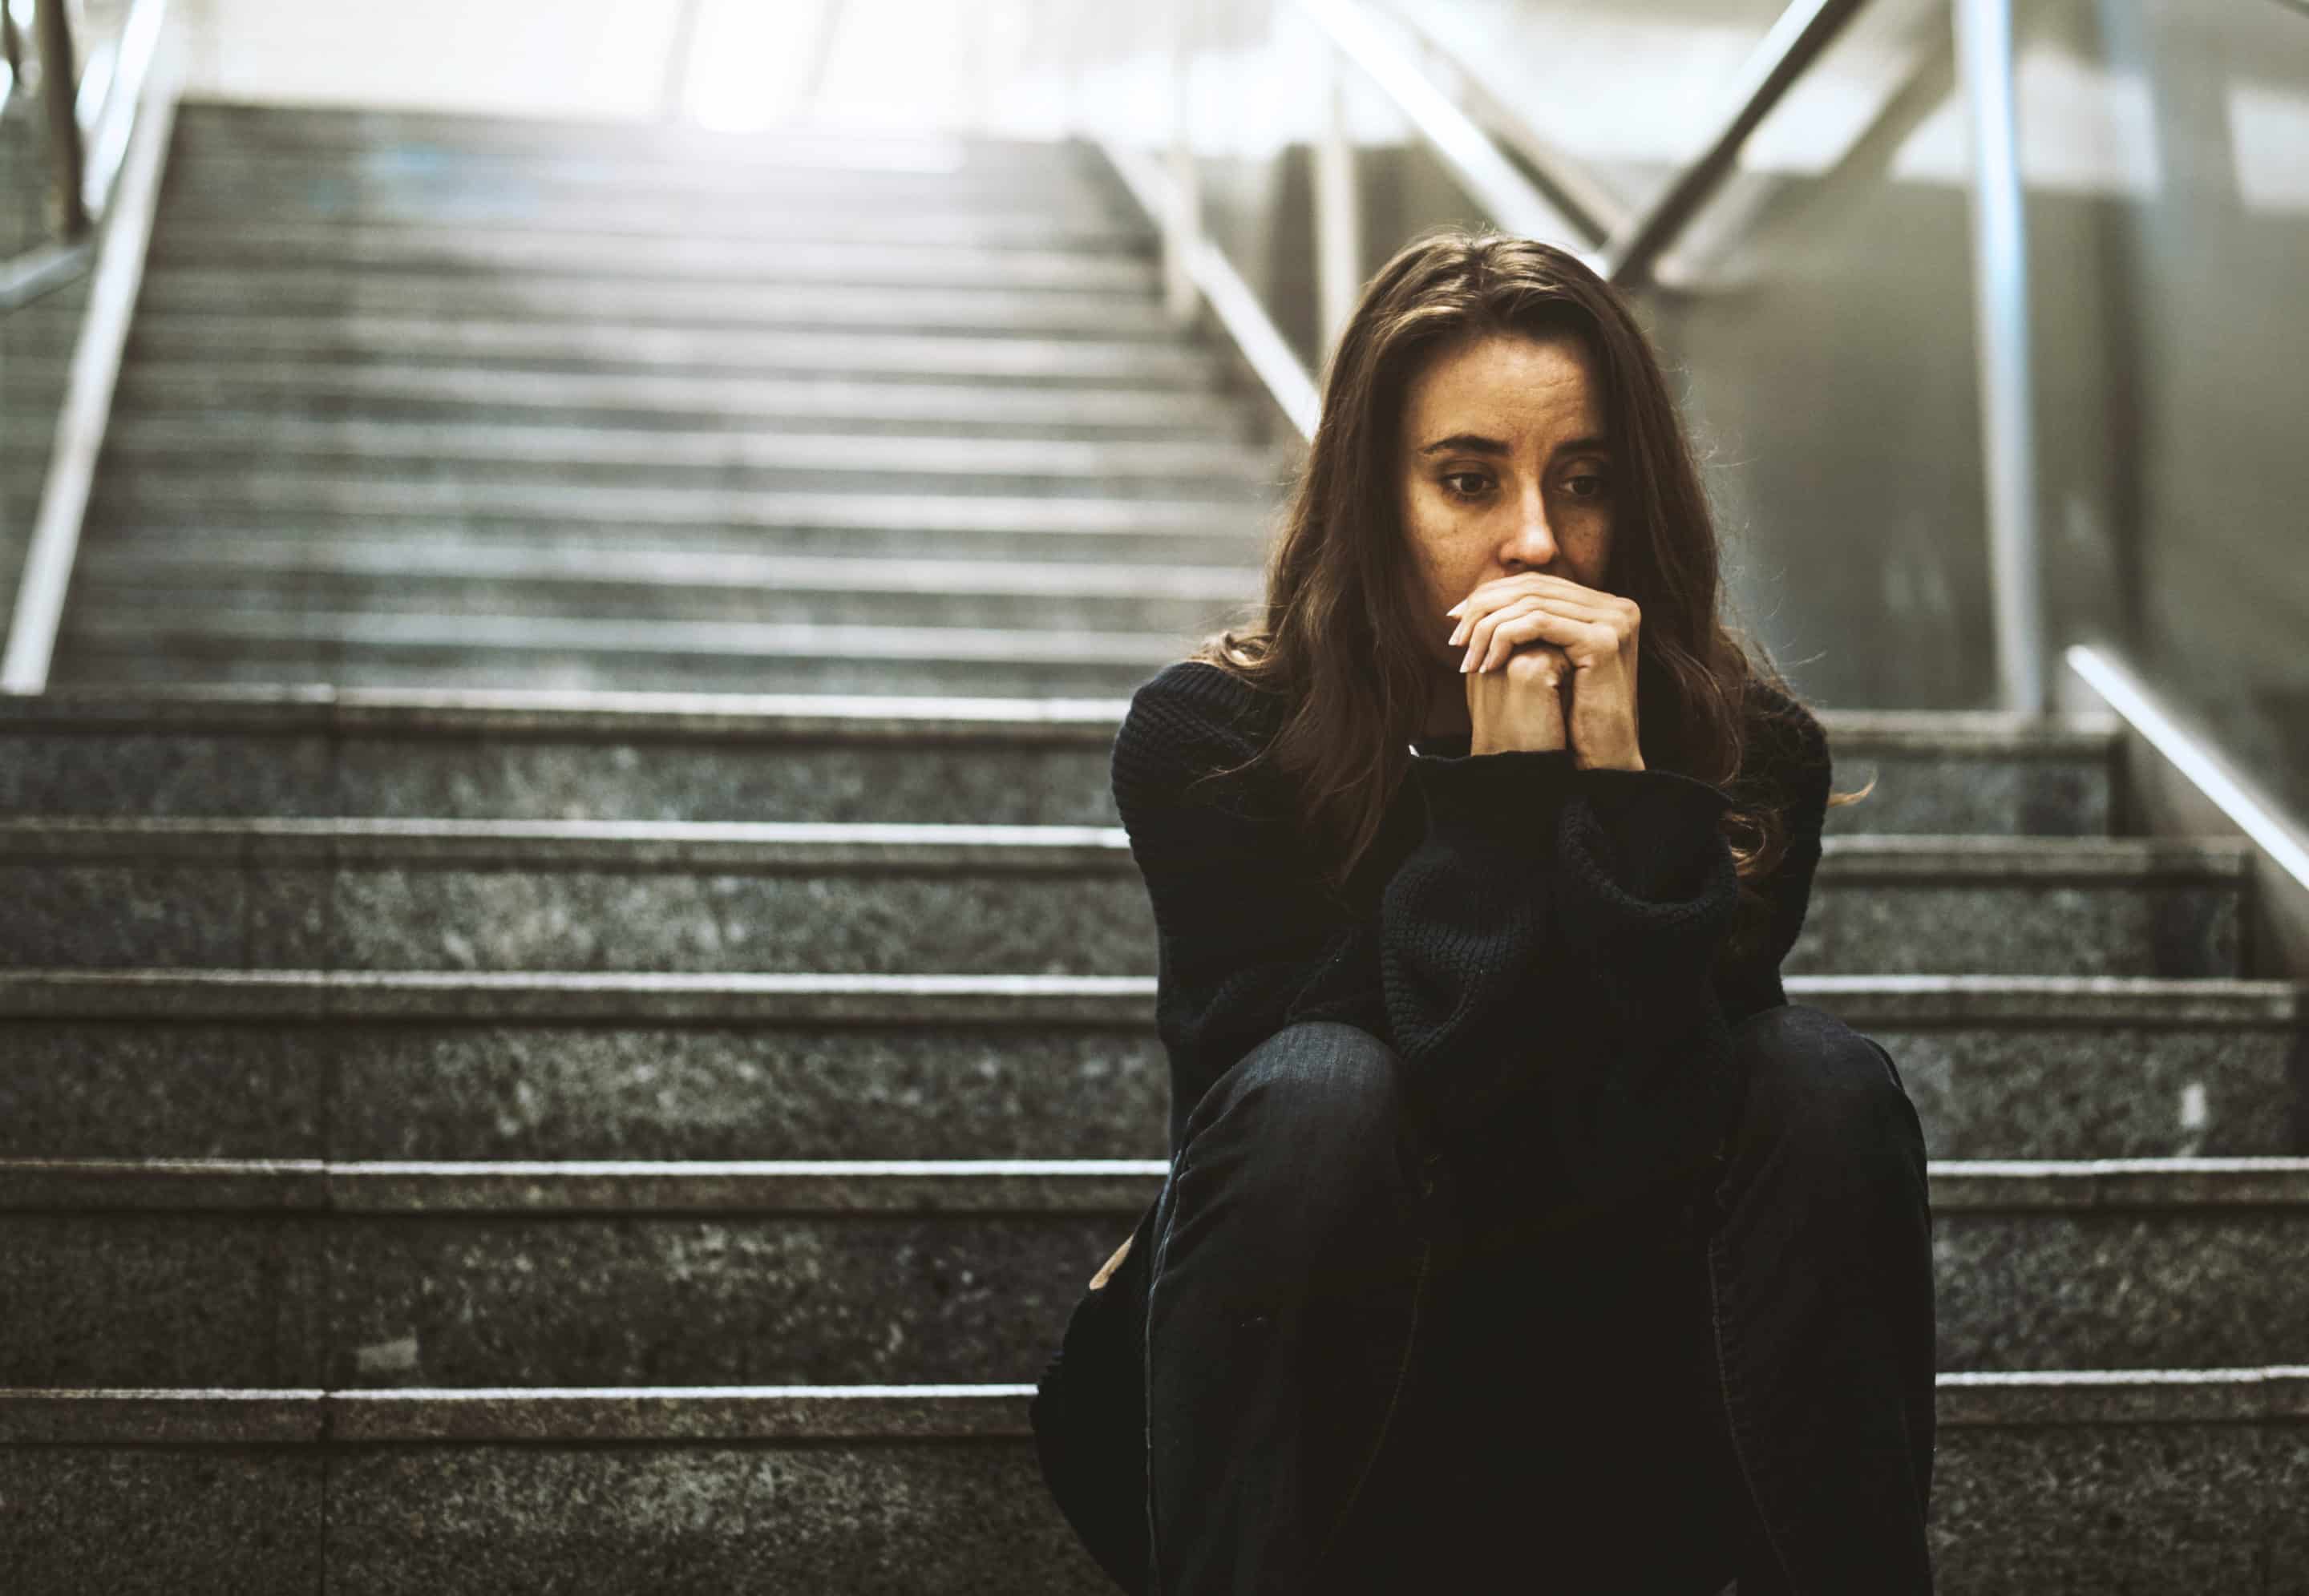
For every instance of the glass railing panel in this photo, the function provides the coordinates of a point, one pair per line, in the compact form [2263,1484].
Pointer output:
[1819,330]
[2168,221]
[1259,106]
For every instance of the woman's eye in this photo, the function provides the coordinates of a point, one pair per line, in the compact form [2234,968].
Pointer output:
[1602,486]
[1474,476]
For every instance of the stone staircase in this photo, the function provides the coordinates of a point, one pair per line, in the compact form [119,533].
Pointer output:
[413,400]
[459,1140]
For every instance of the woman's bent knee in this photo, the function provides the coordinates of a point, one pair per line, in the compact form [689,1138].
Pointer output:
[1325,1080]
[1307,1128]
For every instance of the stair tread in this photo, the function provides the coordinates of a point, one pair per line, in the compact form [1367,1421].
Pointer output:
[2272,1392]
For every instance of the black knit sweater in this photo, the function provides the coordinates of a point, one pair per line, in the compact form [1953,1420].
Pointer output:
[1543,945]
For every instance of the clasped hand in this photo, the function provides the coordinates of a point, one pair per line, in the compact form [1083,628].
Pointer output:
[1548,660]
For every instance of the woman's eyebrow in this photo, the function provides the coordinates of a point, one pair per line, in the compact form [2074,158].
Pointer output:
[1474,443]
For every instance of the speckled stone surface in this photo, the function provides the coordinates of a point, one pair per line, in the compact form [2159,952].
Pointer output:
[2114,1510]
[2121,1289]
[2081,1091]
[894,1519]
[288,915]
[350,772]
[179,913]
[503,1091]
[2284,1477]
[926,783]
[129,1089]
[623,907]
[410,1089]
[415,666]
[191,770]
[739,1300]
[2163,928]
[659,1295]
[55,771]
[161,1300]
[1976,795]
[2027,1510]
[200,1521]
[458,920]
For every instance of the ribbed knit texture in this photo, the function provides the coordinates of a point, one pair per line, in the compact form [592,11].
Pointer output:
[1539,943]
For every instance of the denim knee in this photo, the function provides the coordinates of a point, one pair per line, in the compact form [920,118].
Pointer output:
[1310,1128]
[1823,1091]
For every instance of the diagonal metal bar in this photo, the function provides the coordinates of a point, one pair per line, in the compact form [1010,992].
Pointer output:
[1510,198]
[1796,41]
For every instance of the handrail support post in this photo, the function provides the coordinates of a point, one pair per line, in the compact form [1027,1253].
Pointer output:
[60,89]
[1999,284]
[1338,215]
[1182,222]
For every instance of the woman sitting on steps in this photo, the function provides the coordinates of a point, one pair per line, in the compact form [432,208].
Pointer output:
[1519,1234]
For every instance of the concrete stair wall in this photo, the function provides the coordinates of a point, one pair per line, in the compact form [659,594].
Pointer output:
[461,1140]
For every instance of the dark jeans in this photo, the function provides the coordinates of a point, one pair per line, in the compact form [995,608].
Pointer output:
[1353,1384]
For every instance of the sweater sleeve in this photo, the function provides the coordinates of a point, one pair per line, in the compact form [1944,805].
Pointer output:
[1547,956]
[1244,922]
[1539,959]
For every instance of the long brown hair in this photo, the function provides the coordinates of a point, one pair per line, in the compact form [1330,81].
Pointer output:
[1338,637]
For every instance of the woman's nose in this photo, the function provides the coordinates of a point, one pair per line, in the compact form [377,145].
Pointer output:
[1532,544]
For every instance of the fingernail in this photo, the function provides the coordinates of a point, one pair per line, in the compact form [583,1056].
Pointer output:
[1468,663]
[1456,609]
[1457,631]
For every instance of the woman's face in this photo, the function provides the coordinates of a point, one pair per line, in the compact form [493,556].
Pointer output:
[1505,469]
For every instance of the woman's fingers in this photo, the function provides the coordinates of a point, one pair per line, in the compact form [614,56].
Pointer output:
[1510,634]
[1567,595]
[1532,618]
[1483,627]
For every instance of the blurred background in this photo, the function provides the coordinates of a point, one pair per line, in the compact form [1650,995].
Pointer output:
[1818,297]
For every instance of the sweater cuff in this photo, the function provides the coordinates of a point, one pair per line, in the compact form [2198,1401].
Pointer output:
[1653,801]
[1509,800]
[1645,832]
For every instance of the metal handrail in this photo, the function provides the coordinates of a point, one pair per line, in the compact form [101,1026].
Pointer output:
[1620,246]
[117,252]
[88,141]
[2177,782]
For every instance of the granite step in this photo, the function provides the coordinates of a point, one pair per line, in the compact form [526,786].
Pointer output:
[320,182]
[861,218]
[220,178]
[306,290]
[457,1064]
[830,161]
[318,751]
[310,1272]
[221,456]
[276,893]
[2073,1480]
[690,403]
[117,645]
[600,348]
[668,584]
[1076,526]
[220,126]
[531,251]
